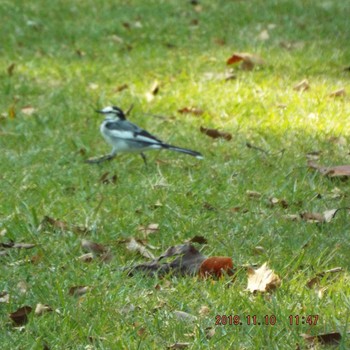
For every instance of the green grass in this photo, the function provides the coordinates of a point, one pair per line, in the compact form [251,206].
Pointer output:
[68,62]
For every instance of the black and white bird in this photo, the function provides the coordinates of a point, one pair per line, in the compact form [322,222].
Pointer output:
[125,136]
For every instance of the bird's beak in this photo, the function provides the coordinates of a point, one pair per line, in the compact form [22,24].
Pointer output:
[98,111]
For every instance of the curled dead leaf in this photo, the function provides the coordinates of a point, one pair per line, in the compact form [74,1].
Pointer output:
[191,110]
[302,86]
[4,297]
[78,291]
[214,133]
[149,229]
[40,309]
[326,338]
[92,247]
[61,225]
[332,171]
[137,245]
[20,316]
[338,93]
[249,61]
[262,279]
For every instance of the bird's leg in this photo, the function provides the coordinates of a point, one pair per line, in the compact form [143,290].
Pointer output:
[144,158]
[101,159]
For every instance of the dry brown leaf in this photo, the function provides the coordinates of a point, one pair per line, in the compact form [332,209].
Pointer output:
[264,35]
[149,229]
[338,93]
[214,133]
[106,179]
[121,87]
[10,69]
[179,346]
[153,91]
[86,258]
[78,291]
[253,194]
[316,280]
[18,245]
[249,61]
[262,279]
[61,225]
[326,338]
[209,332]
[204,311]
[20,316]
[4,297]
[258,250]
[332,171]
[326,216]
[302,86]
[191,110]
[136,245]
[92,247]
[40,309]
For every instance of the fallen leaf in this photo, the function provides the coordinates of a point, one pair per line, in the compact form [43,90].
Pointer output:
[326,338]
[187,262]
[121,87]
[149,229]
[316,280]
[105,179]
[136,245]
[86,258]
[209,332]
[259,250]
[216,266]
[12,112]
[20,316]
[292,45]
[22,287]
[214,133]
[302,86]
[262,279]
[18,245]
[92,247]
[184,316]
[264,35]
[326,216]
[4,297]
[204,311]
[249,61]
[179,346]
[338,93]
[80,53]
[10,69]
[191,110]
[61,225]
[40,309]
[332,171]
[28,110]
[78,291]
[253,194]
[153,91]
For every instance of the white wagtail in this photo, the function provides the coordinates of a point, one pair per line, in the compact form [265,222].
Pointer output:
[128,137]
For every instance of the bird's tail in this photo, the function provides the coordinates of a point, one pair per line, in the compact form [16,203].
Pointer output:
[184,150]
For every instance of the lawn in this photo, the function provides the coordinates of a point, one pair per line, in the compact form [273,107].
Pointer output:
[62,60]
